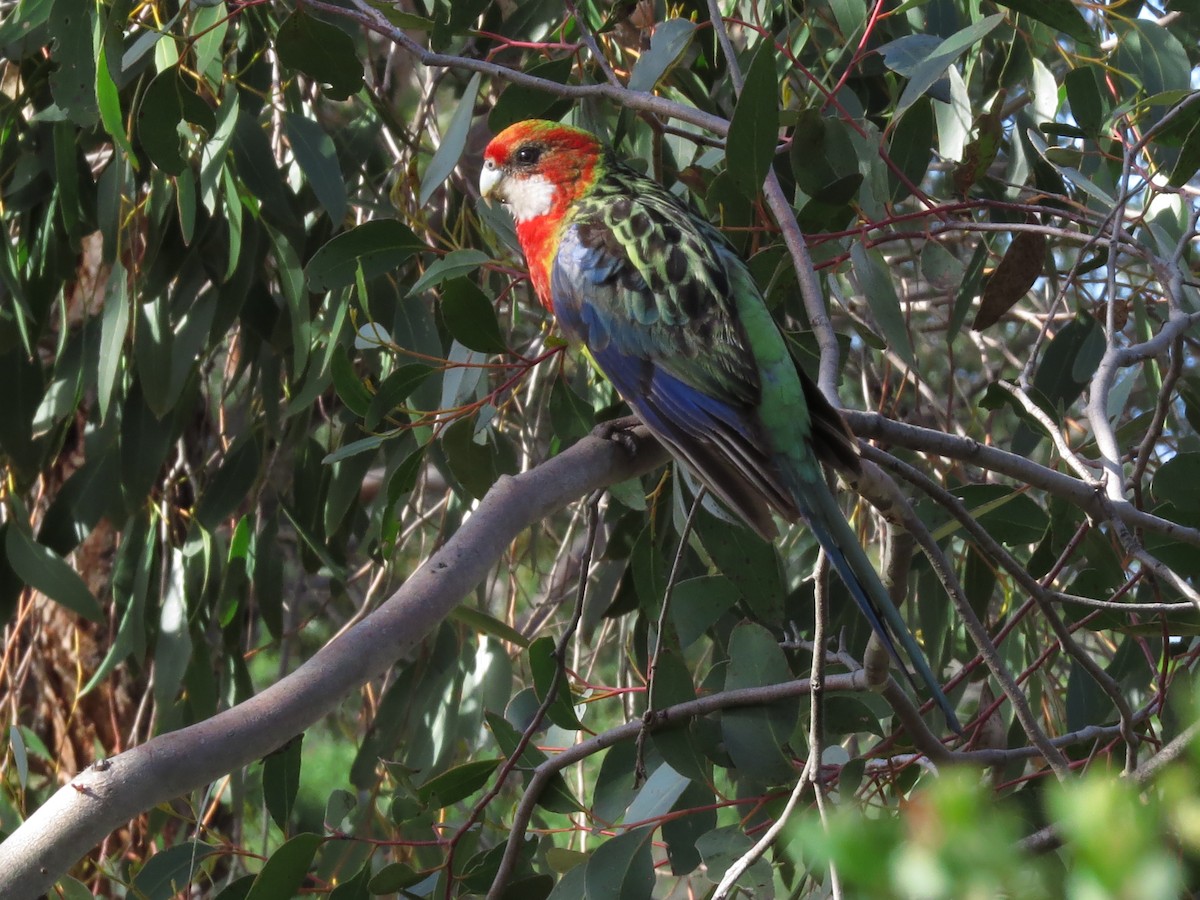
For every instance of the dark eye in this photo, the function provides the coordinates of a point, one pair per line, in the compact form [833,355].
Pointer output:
[527,155]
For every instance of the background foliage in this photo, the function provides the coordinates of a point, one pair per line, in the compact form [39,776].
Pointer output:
[262,350]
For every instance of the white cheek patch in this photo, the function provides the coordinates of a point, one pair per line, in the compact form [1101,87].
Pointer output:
[529,197]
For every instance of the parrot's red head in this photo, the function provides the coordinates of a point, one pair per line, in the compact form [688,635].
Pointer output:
[537,167]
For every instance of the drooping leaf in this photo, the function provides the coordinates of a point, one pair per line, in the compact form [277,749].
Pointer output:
[284,872]
[754,128]
[682,832]
[622,868]
[698,603]
[748,561]
[670,39]
[454,139]
[44,570]
[320,50]
[911,147]
[546,672]
[1018,271]
[281,781]
[927,64]
[73,81]
[875,280]
[756,737]
[1088,95]
[317,158]
[471,317]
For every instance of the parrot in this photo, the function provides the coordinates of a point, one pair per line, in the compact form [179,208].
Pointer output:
[669,313]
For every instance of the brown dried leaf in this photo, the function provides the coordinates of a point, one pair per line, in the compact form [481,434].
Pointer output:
[1021,266]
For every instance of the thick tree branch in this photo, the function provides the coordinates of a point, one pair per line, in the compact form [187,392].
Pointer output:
[110,793]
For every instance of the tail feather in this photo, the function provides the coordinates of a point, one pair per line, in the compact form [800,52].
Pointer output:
[827,523]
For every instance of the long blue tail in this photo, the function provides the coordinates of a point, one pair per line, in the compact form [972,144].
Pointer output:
[823,516]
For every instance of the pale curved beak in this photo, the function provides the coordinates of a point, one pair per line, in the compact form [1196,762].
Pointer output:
[489,180]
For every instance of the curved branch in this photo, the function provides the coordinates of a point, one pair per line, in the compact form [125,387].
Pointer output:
[914,437]
[111,792]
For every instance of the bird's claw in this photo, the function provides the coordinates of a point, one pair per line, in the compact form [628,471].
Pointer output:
[621,431]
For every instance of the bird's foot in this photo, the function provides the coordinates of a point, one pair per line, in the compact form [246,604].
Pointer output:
[621,431]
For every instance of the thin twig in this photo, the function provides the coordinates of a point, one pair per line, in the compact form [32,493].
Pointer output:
[639,769]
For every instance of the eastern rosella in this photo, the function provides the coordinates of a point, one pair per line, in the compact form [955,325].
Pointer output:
[670,314]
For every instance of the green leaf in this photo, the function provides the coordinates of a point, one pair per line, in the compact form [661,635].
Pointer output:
[254,159]
[454,140]
[911,147]
[114,326]
[698,603]
[546,672]
[556,796]
[823,159]
[470,317]
[281,781]
[681,833]
[875,281]
[393,392]
[968,289]
[1087,704]
[571,416]
[667,44]
[131,587]
[169,102]
[1061,15]
[1010,516]
[322,51]
[754,128]
[317,158]
[458,783]
[284,873]
[70,889]
[339,805]
[109,104]
[722,847]
[658,795]
[231,485]
[1089,98]
[755,737]
[1153,57]
[378,246]
[44,570]
[394,877]
[399,18]
[1188,162]
[1069,361]
[930,63]
[1178,481]
[477,463]
[350,388]
[748,561]
[622,868]
[169,872]
[20,756]
[73,82]
[673,684]
[481,623]
[519,102]
[452,265]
